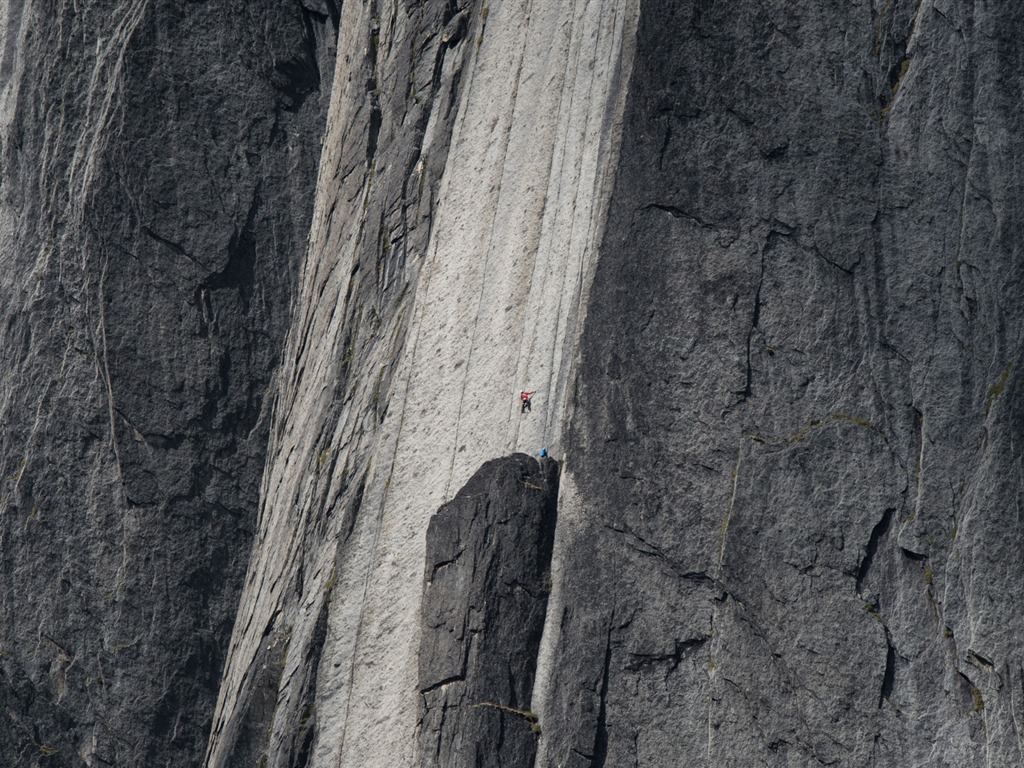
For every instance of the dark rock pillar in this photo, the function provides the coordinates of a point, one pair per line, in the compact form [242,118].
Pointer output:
[485,595]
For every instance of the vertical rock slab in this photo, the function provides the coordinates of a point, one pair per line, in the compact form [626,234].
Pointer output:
[462,188]
[789,515]
[397,86]
[157,164]
[35,731]
[486,584]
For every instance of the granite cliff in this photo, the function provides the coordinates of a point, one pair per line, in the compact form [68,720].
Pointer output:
[158,176]
[274,274]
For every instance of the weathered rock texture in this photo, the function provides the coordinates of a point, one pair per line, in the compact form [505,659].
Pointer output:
[789,530]
[36,731]
[761,260]
[461,192]
[487,579]
[157,166]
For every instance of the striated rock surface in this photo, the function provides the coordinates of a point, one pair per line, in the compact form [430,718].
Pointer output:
[789,517]
[157,167]
[761,262]
[487,578]
[461,192]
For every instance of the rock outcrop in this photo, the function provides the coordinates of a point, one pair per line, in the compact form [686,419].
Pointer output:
[157,171]
[443,277]
[798,465]
[487,579]
[761,262]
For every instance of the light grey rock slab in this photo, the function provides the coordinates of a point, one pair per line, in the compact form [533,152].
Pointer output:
[486,582]
[415,333]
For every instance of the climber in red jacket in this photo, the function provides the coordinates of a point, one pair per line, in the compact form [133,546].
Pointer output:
[525,398]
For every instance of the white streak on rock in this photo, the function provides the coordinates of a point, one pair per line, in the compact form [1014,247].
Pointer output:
[496,310]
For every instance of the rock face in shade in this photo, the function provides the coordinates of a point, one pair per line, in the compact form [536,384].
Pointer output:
[762,262]
[36,732]
[789,525]
[487,578]
[157,168]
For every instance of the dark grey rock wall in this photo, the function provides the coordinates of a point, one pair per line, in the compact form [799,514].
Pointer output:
[487,579]
[385,150]
[793,476]
[157,182]
[797,442]
[36,731]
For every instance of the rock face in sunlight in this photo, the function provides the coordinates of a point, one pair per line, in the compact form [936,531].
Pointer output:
[273,276]
[443,277]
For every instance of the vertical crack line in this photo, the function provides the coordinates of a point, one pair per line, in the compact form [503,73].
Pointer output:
[755,320]
[601,737]
[880,529]
[711,683]
[889,676]
[732,503]
[711,702]
[919,468]
[666,141]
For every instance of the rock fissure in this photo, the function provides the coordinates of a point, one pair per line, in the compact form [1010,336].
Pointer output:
[747,390]
[889,675]
[600,751]
[880,529]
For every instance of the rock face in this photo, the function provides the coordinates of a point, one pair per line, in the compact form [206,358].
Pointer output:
[487,578]
[760,260]
[36,732]
[797,446]
[157,169]
[443,277]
